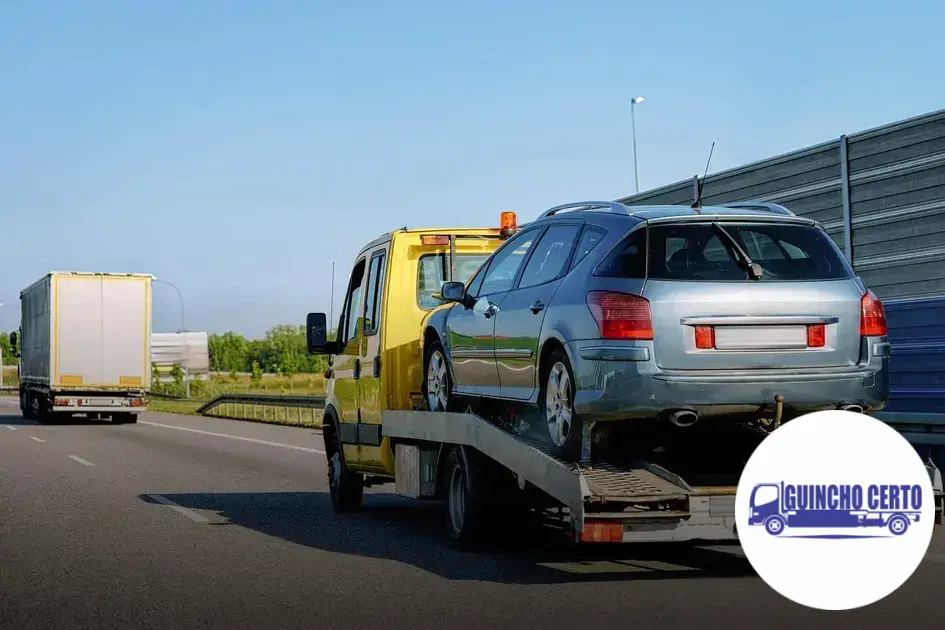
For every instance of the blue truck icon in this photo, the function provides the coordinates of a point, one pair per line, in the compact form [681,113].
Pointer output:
[777,506]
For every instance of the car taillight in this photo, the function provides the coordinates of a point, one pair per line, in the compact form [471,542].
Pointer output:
[621,315]
[872,316]
[816,336]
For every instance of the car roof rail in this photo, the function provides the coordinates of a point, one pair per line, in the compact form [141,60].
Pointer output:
[759,205]
[614,206]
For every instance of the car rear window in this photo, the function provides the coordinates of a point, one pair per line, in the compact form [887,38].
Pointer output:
[434,271]
[786,252]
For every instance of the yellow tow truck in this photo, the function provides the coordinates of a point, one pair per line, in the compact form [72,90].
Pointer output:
[378,429]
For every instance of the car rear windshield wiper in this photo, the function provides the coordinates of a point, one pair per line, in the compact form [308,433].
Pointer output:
[753,268]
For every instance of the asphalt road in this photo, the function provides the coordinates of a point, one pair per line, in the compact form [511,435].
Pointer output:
[181,522]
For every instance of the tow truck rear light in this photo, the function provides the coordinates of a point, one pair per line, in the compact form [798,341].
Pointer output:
[596,531]
[507,223]
[816,336]
[872,316]
[435,239]
[621,315]
[705,337]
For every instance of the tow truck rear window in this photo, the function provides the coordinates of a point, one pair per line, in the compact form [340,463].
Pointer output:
[434,270]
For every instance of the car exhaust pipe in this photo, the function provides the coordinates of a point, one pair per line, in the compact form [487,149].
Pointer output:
[684,418]
[853,408]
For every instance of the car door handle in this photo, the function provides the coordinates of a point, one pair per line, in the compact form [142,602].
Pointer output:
[537,307]
[489,312]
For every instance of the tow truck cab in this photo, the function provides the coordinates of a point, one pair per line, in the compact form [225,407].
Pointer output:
[374,359]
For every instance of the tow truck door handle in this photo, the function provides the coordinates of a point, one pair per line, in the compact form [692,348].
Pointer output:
[357,368]
[537,307]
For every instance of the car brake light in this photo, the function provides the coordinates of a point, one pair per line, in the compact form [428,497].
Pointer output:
[439,239]
[705,337]
[621,315]
[872,316]
[816,336]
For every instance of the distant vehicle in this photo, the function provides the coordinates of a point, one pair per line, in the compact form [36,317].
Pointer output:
[85,346]
[599,311]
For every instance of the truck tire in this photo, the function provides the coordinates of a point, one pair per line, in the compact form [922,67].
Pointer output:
[346,487]
[124,418]
[560,424]
[467,497]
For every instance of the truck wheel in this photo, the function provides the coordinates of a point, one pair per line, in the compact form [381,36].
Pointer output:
[124,418]
[345,486]
[774,525]
[556,407]
[467,499]
[898,525]
[437,386]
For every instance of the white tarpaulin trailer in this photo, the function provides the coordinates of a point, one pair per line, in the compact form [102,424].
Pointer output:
[190,350]
[85,344]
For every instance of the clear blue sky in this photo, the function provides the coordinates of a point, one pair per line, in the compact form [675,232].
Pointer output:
[238,148]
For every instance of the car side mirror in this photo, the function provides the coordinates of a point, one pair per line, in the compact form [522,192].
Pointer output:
[316,334]
[453,291]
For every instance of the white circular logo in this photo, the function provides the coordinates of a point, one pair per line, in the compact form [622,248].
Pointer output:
[835,510]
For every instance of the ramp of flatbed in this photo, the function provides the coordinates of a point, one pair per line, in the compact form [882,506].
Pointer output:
[573,484]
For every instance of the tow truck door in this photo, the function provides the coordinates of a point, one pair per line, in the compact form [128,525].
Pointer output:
[369,379]
[346,366]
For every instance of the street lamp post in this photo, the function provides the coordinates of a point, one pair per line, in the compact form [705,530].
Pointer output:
[180,299]
[633,124]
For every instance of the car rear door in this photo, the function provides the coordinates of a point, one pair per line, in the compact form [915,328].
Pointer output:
[709,314]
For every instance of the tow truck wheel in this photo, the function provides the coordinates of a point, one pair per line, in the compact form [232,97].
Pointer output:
[898,525]
[346,487]
[465,500]
[556,407]
[774,525]
[437,387]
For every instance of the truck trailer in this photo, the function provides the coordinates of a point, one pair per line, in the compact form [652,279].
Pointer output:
[85,346]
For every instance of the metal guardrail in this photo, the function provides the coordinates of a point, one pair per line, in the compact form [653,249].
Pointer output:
[248,406]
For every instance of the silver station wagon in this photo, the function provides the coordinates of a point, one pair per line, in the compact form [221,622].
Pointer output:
[599,312]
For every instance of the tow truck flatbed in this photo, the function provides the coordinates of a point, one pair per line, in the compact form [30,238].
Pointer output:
[634,502]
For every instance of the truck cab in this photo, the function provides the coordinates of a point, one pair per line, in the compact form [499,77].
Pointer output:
[374,356]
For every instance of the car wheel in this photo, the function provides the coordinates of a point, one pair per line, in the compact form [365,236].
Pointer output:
[438,386]
[556,407]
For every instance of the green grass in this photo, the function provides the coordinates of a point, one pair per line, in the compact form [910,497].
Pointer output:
[265,414]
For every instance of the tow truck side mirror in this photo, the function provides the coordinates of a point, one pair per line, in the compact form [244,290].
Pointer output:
[13,339]
[453,291]
[316,334]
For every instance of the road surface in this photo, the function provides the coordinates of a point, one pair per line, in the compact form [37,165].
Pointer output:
[181,522]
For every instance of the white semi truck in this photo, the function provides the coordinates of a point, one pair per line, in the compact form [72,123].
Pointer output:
[85,346]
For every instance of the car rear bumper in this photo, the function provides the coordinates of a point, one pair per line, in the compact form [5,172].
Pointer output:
[624,383]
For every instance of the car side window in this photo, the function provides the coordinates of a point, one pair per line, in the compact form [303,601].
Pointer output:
[505,264]
[590,238]
[628,260]
[353,304]
[550,258]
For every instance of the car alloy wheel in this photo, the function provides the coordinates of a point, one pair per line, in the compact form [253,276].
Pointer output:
[437,382]
[558,404]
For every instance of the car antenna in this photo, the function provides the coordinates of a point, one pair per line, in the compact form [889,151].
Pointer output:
[697,205]
[331,302]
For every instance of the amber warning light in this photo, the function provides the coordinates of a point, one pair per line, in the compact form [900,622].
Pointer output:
[435,239]
[507,223]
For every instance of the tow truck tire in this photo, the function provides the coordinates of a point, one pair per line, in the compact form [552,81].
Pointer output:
[774,525]
[898,525]
[556,405]
[346,487]
[466,497]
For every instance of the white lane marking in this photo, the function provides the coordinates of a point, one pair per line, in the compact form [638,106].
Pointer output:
[179,509]
[12,428]
[305,449]
[84,462]
[36,439]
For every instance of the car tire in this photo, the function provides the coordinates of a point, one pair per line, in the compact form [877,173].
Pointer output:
[561,425]
[436,375]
